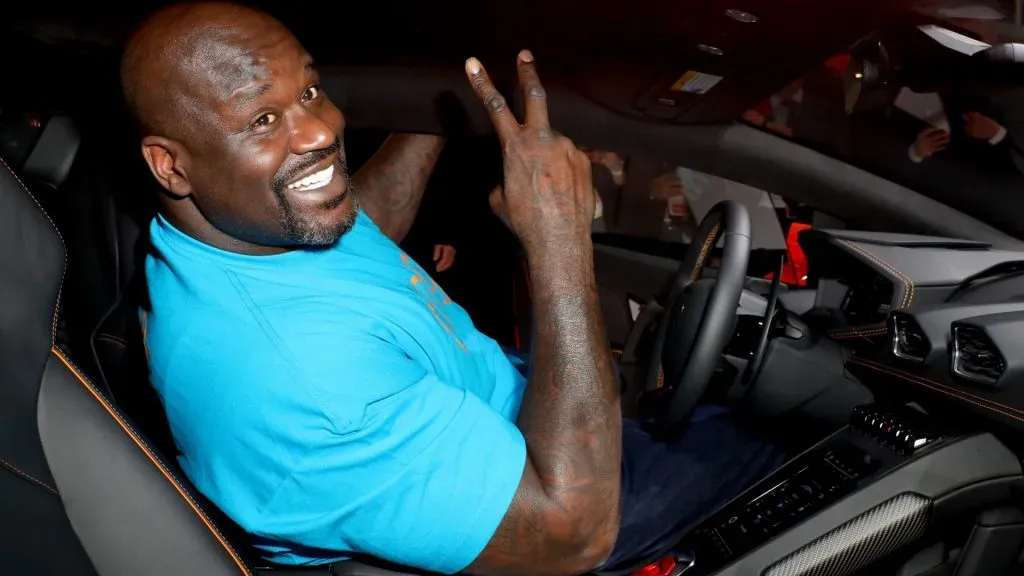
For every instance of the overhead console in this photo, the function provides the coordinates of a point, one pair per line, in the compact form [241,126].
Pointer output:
[871,488]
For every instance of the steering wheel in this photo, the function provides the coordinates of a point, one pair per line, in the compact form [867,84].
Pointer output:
[700,317]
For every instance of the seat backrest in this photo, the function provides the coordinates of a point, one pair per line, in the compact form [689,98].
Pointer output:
[59,435]
[36,536]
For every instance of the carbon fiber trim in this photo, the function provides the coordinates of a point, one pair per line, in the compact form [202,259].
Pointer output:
[868,537]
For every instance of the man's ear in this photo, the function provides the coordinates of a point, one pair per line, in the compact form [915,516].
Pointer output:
[168,161]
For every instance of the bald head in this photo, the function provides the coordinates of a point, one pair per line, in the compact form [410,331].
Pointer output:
[187,53]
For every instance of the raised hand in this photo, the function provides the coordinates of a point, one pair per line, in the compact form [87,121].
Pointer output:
[547,199]
[564,518]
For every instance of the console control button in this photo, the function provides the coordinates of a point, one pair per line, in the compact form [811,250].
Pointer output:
[899,429]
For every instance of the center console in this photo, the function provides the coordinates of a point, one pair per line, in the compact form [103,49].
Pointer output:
[867,490]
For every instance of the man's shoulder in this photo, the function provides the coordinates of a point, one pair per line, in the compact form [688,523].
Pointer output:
[209,357]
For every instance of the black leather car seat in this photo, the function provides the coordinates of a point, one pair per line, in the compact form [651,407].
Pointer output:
[35,535]
[68,453]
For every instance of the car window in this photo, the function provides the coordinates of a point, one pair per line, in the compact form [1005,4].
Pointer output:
[933,101]
[661,201]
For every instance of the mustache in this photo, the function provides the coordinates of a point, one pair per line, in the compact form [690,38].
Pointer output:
[307,162]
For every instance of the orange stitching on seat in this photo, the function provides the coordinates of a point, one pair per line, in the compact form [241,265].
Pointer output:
[26,476]
[708,242]
[64,270]
[947,390]
[137,439]
[908,284]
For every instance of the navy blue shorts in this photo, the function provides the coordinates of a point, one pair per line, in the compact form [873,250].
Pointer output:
[668,488]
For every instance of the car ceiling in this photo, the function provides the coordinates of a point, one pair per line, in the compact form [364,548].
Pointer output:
[624,56]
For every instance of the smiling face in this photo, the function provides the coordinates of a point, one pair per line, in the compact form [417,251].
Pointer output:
[251,146]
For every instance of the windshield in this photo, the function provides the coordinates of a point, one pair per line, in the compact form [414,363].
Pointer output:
[933,101]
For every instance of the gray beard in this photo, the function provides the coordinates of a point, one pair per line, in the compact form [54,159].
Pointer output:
[315,234]
[312,233]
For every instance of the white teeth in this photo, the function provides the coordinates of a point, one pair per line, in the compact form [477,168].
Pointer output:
[314,181]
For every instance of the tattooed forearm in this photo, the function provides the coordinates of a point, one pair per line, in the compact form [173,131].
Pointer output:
[564,518]
[391,184]
[570,419]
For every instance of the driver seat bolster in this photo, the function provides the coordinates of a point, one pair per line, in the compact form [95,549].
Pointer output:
[118,491]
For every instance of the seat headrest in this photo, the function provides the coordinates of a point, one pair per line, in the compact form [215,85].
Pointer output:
[54,152]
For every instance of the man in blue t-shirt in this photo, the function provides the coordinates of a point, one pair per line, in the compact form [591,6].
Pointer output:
[324,391]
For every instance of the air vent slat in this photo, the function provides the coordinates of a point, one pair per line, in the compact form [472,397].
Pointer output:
[909,341]
[975,356]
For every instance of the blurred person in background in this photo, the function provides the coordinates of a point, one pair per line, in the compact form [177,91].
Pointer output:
[609,175]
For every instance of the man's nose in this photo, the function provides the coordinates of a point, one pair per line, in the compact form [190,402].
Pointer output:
[310,133]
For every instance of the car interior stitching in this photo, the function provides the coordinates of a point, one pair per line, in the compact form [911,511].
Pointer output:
[976,397]
[947,390]
[908,284]
[704,250]
[26,476]
[142,444]
[858,332]
[56,305]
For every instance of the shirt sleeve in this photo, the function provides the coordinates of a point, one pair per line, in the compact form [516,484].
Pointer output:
[423,480]
[913,155]
[999,137]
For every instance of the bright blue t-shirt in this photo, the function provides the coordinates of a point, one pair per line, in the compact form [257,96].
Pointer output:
[334,401]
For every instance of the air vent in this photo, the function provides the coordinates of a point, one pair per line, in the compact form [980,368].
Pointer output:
[908,339]
[975,357]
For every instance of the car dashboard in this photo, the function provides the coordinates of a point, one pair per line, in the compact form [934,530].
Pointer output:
[933,318]
[935,328]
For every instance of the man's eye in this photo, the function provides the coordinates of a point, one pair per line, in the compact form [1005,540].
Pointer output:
[311,93]
[264,120]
